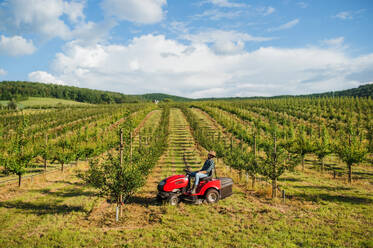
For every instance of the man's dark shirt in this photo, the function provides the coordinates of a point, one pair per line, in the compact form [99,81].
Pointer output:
[208,166]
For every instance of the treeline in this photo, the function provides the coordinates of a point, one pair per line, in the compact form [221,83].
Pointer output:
[362,91]
[164,97]
[20,90]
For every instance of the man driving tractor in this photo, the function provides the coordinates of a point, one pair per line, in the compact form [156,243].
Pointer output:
[205,171]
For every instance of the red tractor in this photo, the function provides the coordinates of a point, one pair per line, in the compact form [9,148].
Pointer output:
[177,187]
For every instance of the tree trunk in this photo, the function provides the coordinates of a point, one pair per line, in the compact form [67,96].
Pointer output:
[45,165]
[131,147]
[62,167]
[253,178]
[322,165]
[274,188]
[349,173]
[121,203]
[303,162]
[19,180]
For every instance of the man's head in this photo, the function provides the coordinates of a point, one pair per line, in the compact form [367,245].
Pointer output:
[211,154]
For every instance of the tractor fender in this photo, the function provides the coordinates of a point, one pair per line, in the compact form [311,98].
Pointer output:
[205,191]
[215,184]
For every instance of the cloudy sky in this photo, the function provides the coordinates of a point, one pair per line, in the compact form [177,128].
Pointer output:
[193,48]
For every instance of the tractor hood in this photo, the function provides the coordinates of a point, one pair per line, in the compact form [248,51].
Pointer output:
[173,183]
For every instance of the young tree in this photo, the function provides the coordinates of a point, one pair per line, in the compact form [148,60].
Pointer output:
[63,153]
[351,153]
[323,146]
[276,161]
[12,105]
[303,145]
[19,154]
[115,181]
[369,127]
[44,150]
[251,165]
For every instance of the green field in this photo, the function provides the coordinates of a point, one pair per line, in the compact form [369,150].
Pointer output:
[59,210]
[45,101]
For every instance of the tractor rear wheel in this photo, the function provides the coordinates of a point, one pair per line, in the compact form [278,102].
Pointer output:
[212,196]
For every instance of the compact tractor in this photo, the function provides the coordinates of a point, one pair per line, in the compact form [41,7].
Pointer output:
[176,188]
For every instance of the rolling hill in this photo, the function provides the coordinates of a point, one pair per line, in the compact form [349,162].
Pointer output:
[21,91]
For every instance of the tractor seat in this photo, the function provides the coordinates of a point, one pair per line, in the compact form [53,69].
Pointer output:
[207,179]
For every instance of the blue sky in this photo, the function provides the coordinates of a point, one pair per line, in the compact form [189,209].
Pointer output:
[205,48]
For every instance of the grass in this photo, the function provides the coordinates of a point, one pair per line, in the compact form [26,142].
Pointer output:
[60,211]
[32,170]
[45,101]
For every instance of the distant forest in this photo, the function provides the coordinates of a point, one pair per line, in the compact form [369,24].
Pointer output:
[19,90]
[362,91]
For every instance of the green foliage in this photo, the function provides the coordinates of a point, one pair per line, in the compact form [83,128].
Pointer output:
[370,135]
[12,105]
[351,152]
[113,179]
[19,89]
[116,180]
[64,152]
[323,145]
[164,97]
[361,91]
[276,161]
[18,154]
[303,144]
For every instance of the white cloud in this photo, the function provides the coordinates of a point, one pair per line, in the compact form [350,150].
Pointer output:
[344,15]
[216,35]
[3,72]
[53,18]
[267,10]
[92,32]
[226,3]
[178,27]
[228,47]
[44,77]
[152,63]
[144,11]
[74,10]
[215,14]
[335,42]
[303,5]
[348,15]
[224,42]
[285,26]
[15,46]
[39,16]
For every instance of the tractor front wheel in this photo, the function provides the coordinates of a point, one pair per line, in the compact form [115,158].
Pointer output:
[173,200]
